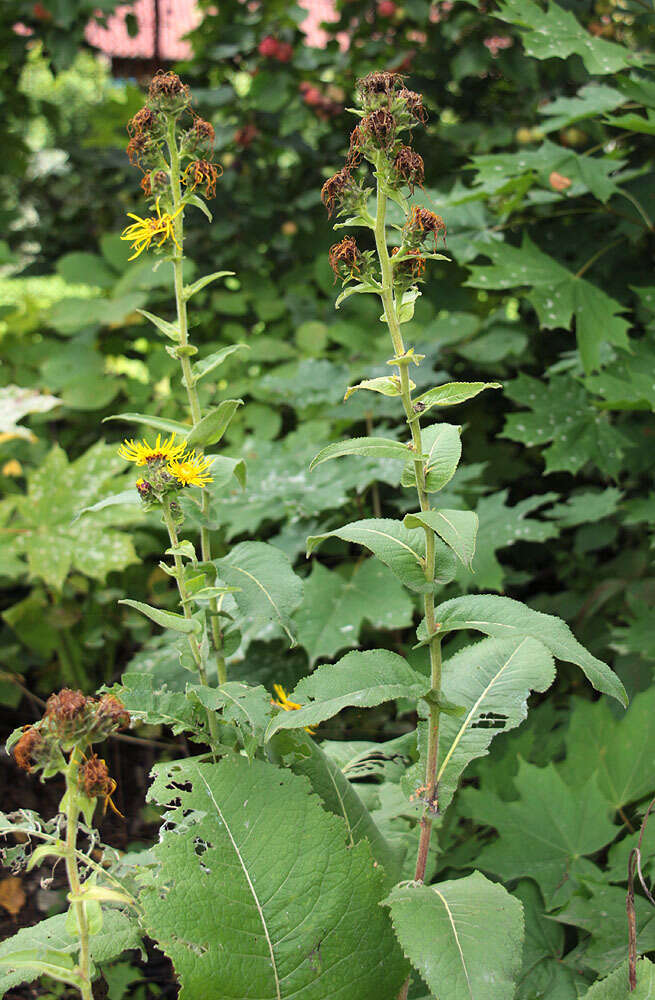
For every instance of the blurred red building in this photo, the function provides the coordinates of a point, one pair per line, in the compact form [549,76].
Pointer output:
[161,27]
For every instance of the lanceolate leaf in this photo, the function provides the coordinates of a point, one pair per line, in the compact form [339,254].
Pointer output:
[388,385]
[442,446]
[506,618]
[118,934]
[168,329]
[453,393]
[492,681]
[258,895]
[167,619]
[458,528]
[159,423]
[369,446]
[463,936]
[269,589]
[212,361]
[361,679]
[203,282]
[402,549]
[213,425]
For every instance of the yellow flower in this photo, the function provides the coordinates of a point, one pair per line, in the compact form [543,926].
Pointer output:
[191,469]
[12,468]
[140,452]
[283,701]
[143,231]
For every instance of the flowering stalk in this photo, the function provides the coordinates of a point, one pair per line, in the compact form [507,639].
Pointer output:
[173,147]
[73,810]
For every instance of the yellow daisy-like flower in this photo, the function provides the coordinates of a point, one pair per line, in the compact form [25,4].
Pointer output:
[191,469]
[140,452]
[282,700]
[143,231]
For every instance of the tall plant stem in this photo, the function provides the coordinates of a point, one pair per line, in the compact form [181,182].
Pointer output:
[73,873]
[189,383]
[387,295]
[185,601]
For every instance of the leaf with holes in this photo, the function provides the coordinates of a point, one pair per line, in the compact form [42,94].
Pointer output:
[492,680]
[258,895]
[463,936]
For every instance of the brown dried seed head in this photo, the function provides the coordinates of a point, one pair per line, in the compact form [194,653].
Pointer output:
[378,84]
[414,104]
[144,121]
[204,131]
[66,706]
[94,778]
[345,258]
[380,127]
[27,748]
[112,711]
[166,84]
[137,147]
[334,188]
[422,222]
[203,172]
[409,166]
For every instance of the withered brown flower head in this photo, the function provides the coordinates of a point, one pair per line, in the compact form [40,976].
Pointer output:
[137,147]
[112,713]
[409,167]
[345,258]
[203,172]
[154,182]
[334,188]
[413,267]
[144,121]
[166,84]
[421,223]
[66,706]
[27,748]
[94,778]
[378,84]
[414,104]
[380,127]
[203,133]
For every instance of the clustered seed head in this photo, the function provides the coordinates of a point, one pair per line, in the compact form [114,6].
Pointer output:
[145,122]
[203,172]
[379,127]
[413,102]
[94,780]
[200,138]
[346,259]
[421,224]
[168,93]
[139,147]
[27,750]
[71,720]
[377,88]
[333,190]
[408,165]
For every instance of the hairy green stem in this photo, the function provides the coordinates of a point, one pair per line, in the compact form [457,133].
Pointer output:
[72,871]
[189,382]
[429,792]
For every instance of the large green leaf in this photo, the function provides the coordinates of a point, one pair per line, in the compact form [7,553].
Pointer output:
[616,986]
[458,529]
[335,607]
[463,936]
[442,446]
[119,933]
[258,895]
[491,680]
[369,446]
[543,972]
[620,752]
[401,549]
[506,618]
[554,33]
[361,679]
[213,425]
[557,294]
[452,393]
[546,833]
[269,590]
[304,756]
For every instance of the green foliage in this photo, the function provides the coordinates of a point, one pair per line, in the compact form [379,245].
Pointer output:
[298,907]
